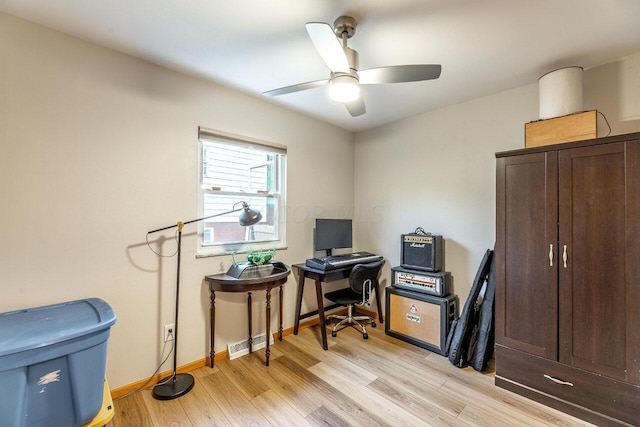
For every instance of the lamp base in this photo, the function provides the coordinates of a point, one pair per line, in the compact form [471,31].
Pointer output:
[180,385]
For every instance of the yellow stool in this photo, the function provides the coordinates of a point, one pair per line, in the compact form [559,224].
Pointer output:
[106,412]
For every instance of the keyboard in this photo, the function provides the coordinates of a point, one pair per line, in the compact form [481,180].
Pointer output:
[337,261]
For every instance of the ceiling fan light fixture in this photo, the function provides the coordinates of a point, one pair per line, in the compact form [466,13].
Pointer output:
[344,88]
[346,76]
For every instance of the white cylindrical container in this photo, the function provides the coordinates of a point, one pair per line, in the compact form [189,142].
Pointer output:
[560,92]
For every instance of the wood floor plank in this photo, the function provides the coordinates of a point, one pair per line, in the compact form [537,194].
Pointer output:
[421,388]
[357,373]
[483,418]
[479,385]
[299,353]
[310,339]
[275,349]
[323,417]
[422,406]
[334,398]
[204,371]
[452,404]
[249,385]
[165,412]
[129,412]
[334,405]
[367,398]
[293,389]
[232,402]
[502,405]
[201,408]
[381,381]
[381,365]
[277,410]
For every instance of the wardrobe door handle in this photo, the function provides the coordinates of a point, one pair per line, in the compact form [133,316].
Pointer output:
[551,255]
[564,256]
[557,381]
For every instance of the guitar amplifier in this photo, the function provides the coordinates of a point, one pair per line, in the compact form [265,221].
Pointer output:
[433,283]
[419,319]
[422,252]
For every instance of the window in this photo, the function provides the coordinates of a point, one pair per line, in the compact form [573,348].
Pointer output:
[235,169]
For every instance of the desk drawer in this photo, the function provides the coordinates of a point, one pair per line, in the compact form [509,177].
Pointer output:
[605,395]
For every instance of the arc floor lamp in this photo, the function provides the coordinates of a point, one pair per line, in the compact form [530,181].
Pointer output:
[178,385]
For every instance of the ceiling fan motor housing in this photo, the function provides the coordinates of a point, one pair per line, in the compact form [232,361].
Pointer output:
[344,24]
[353,58]
[352,75]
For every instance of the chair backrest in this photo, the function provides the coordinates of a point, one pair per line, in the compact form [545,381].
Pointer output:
[362,273]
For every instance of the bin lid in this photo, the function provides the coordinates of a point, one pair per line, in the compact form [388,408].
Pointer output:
[24,330]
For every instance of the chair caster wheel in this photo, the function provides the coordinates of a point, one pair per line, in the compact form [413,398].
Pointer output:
[373,324]
[334,334]
[365,336]
[327,321]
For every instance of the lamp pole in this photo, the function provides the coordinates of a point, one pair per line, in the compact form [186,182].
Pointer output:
[178,385]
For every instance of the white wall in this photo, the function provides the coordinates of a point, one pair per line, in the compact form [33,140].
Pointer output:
[97,148]
[437,171]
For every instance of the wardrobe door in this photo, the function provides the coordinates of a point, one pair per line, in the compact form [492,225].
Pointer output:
[526,253]
[594,280]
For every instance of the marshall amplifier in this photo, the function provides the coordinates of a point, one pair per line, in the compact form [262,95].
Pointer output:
[420,319]
[436,283]
[422,252]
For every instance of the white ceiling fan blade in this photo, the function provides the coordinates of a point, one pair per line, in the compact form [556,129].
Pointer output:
[295,88]
[356,108]
[400,74]
[328,46]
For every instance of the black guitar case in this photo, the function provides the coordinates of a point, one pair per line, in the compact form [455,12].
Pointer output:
[461,333]
[483,336]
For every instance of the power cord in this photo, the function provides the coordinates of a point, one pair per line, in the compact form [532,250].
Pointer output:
[160,255]
[606,121]
[144,386]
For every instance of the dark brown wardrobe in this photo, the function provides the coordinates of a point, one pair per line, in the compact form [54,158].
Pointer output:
[568,276]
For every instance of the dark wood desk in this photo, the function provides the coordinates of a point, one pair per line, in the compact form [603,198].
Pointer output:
[225,283]
[318,276]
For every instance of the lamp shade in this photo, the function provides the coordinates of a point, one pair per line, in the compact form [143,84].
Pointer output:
[249,217]
[560,92]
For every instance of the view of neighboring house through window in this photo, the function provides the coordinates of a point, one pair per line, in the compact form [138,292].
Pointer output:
[236,169]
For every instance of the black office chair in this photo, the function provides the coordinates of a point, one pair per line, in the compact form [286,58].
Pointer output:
[362,282]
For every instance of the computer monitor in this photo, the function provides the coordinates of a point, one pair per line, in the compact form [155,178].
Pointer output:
[332,234]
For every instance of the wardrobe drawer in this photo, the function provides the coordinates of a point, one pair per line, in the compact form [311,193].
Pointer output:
[597,393]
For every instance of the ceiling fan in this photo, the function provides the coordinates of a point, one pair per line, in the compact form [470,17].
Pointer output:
[345,79]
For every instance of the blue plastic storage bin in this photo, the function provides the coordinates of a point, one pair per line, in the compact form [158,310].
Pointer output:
[52,363]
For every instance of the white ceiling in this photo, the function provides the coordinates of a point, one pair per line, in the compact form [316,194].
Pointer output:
[484,46]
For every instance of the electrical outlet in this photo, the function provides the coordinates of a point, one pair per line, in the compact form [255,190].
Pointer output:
[169,332]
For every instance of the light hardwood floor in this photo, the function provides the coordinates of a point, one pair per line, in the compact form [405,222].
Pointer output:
[381,381]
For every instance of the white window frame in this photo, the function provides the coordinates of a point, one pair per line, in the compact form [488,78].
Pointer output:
[217,136]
